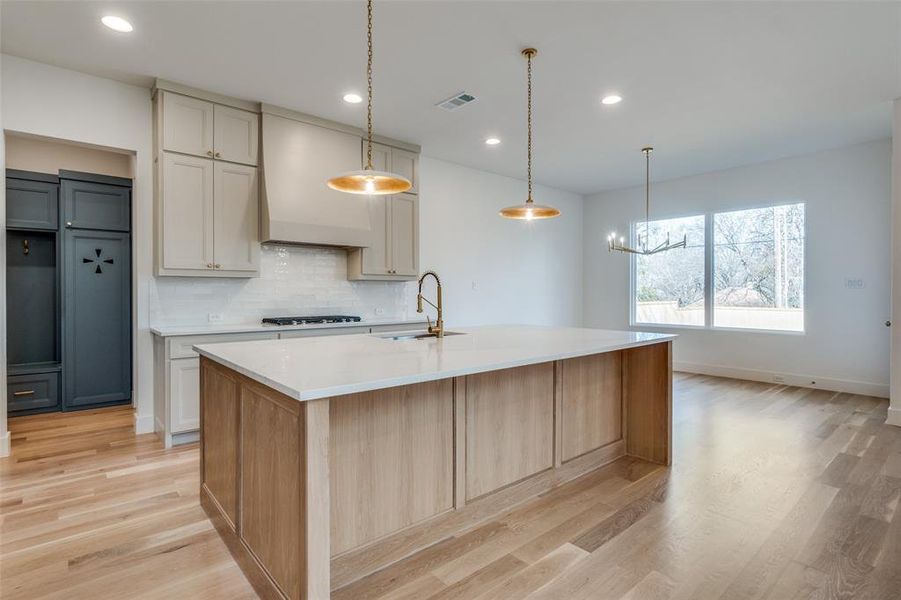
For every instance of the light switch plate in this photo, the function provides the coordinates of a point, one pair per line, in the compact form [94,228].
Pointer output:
[214,317]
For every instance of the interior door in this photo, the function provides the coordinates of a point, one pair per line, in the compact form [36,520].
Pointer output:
[404,235]
[97,318]
[236,218]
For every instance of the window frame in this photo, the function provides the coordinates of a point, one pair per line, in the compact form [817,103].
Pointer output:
[709,266]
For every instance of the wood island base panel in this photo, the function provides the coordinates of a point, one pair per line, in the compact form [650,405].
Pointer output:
[312,495]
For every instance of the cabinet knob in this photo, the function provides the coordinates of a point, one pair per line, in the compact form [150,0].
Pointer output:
[68,224]
[218,266]
[209,153]
[218,155]
[209,265]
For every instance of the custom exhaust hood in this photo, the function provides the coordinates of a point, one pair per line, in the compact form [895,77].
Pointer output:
[299,154]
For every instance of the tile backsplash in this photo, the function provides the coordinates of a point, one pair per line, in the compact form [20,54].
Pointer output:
[294,280]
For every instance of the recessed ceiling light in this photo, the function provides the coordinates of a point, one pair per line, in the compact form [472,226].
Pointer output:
[353,98]
[611,99]
[493,141]
[117,24]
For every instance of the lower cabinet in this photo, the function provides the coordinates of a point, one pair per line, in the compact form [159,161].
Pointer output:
[184,392]
[32,392]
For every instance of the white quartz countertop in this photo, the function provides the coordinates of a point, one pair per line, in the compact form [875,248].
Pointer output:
[322,367]
[214,328]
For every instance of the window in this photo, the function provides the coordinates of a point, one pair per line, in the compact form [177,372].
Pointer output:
[758,268]
[669,287]
[741,269]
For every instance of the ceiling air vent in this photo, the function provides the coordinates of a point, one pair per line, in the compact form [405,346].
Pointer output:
[456,101]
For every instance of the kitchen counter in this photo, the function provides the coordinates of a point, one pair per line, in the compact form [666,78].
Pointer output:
[324,459]
[313,368]
[214,328]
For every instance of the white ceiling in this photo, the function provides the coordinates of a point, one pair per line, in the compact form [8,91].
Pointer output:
[711,84]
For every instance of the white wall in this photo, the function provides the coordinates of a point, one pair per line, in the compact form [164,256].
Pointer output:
[42,100]
[846,344]
[894,411]
[496,270]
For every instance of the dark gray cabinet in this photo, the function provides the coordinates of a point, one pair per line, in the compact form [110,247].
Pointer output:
[32,204]
[92,205]
[96,317]
[68,292]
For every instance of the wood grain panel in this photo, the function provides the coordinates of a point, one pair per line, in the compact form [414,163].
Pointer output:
[219,413]
[391,460]
[509,426]
[647,394]
[271,486]
[591,402]
[315,474]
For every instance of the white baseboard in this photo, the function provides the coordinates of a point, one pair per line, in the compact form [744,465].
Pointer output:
[894,416]
[4,445]
[144,423]
[864,388]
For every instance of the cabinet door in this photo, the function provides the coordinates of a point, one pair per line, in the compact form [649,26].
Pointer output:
[237,135]
[88,205]
[377,257]
[96,318]
[381,156]
[184,394]
[187,125]
[31,204]
[404,235]
[406,164]
[186,219]
[236,218]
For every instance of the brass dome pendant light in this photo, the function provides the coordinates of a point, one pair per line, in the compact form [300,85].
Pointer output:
[529,210]
[369,181]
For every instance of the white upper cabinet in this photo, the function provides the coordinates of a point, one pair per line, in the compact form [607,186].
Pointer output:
[236,218]
[186,213]
[394,160]
[187,125]
[236,135]
[407,164]
[404,235]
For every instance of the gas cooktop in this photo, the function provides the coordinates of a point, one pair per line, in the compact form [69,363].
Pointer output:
[315,319]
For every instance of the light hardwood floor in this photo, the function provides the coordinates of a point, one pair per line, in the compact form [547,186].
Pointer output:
[775,492]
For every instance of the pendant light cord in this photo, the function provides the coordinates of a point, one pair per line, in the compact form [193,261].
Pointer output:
[369,86]
[529,123]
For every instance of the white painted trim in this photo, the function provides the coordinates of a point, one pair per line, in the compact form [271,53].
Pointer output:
[894,417]
[144,423]
[4,444]
[879,390]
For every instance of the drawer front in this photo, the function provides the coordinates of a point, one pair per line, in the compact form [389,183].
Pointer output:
[296,333]
[181,346]
[31,204]
[32,391]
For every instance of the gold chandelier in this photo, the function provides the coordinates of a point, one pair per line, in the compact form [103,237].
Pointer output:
[367,180]
[643,247]
[529,210]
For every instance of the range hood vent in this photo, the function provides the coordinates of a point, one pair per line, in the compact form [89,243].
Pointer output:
[298,206]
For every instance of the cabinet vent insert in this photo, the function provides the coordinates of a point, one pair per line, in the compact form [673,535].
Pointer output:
[456,101]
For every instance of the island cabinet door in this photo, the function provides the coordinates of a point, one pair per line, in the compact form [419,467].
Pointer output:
[591,403]
[509,427]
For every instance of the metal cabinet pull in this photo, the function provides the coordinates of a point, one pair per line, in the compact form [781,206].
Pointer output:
[218,155]
[68,224]
[24,393]
[209,153]
[218,266]
[209,265]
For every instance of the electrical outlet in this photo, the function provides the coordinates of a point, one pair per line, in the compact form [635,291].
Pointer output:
[214,317]
[854,284]
[379,311]
[475,286]
[778,379]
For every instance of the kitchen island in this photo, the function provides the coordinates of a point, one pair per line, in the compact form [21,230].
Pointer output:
[325,459]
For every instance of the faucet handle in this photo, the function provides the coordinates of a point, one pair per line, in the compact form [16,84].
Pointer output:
[429,319]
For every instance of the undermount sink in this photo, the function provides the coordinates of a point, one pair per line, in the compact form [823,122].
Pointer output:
[415,336]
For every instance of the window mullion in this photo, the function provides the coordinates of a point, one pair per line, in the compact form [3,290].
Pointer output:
[709,292]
